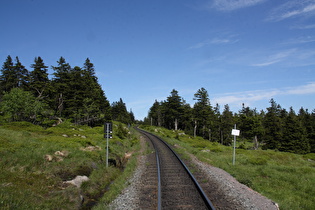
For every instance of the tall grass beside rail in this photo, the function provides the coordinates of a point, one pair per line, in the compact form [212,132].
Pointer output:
[286,178]
[29,181]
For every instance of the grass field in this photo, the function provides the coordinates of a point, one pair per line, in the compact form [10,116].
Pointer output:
[286,178]
[30,180]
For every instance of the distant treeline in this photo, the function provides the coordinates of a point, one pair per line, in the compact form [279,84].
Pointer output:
[72,93]
[276,128]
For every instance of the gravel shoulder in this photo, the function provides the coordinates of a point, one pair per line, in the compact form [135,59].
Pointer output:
[233,195]
[222,189]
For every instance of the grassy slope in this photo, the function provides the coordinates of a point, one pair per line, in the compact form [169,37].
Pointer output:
[286,178]
[28,181]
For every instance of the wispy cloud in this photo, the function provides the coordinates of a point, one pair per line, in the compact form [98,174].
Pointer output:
[229,5]
[292,9]
[246,97]
[228,40]
[300,40]
[304,26]
[276,58]
[249,97]
[301,90]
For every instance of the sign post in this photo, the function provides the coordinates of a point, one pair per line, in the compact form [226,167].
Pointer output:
[235,133]
[108,130]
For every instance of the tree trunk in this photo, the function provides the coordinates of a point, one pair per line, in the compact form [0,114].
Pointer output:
[195,129]
[256,143]
[159,119]
[176,124]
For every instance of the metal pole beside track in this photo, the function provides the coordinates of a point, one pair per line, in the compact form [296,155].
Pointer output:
[107,135]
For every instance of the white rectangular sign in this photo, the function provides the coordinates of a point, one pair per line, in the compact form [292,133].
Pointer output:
[235,132]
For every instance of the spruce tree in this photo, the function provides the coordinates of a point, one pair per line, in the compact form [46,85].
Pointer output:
[250,124]
[312,134]
[294,136]
[155,114]
[119,112]
[217,128]
[173,110]
[88,67]
[307,121]
[227,124]
[203,113]
[22,74]
[61,87]
[94,90]
[61,71]
[76,94]
[39,82]
[273,127]
[8,78]
[187,119]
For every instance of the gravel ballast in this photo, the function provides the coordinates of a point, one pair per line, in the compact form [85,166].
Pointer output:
[230,194]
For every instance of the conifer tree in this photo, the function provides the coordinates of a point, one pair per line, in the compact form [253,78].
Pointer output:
[272,125]
[307,121]
[88,67]
[217,127]
[311,136]
[294,138]
[250,123]
[173,110]
[119,112]
[227,124]
[39,82]
[76,94]
[8,79]
[155,114]
[203,113]
[187,119]
[22,74]
[94,90]
[62,71]
[61,86]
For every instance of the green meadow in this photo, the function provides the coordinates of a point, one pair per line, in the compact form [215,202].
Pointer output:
[33,173]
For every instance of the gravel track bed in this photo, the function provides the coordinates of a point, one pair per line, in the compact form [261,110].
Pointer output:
[238,195]
[227,190]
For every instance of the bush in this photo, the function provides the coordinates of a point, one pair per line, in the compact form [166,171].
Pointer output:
[121,131]
[21,105]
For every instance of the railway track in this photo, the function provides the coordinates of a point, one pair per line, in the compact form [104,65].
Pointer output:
[169,183]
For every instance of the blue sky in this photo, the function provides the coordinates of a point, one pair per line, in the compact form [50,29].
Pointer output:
[240,51]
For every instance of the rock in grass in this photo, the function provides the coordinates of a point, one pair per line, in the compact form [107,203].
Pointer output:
[49,158]
[78,180]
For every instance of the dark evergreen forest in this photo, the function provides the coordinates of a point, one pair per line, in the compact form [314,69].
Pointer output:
[72,93]
[276,128]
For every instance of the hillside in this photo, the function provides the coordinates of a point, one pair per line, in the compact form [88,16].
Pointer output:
[36,164]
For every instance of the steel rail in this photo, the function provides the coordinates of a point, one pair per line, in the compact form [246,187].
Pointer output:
[208,203]
[159,200]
